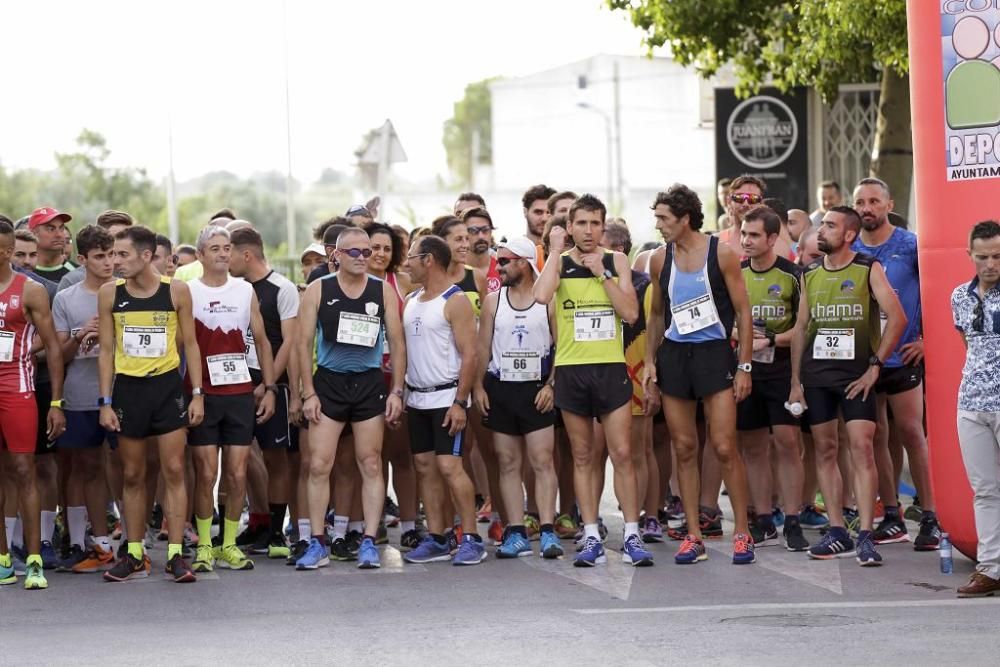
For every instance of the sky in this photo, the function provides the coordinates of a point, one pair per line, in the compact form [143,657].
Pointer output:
[211,75]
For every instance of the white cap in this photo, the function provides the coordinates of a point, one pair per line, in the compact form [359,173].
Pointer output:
[317,248]
[524,248]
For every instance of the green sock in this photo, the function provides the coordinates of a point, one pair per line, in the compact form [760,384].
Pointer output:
[229,532]
[33,559]
[204,530]
[173,550]
[135,550]
[5,560]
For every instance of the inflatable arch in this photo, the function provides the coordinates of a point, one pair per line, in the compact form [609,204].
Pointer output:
[954,50]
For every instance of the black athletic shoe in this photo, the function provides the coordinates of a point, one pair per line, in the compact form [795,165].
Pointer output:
[353,540]
[178,570]
[410,540]
[890,531]
[929,538]
[340,550]
[296,552]
[128,567]
[249,537]
[259,546]
[793,537]
[763,532]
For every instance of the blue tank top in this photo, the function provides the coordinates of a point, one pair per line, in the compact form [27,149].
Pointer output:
[350,332]
[898,256]
[680,287]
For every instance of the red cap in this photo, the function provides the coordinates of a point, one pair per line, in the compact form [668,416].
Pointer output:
[45,215]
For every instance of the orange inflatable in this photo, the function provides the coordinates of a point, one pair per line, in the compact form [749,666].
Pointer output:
[955,96]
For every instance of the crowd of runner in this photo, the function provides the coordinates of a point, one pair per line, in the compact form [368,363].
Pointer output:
[150,393]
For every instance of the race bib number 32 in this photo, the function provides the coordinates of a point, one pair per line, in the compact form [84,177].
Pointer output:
[591,325]
[146,342]
[836,344]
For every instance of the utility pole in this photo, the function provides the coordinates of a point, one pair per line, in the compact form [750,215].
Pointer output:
[289,197]
[173,228]
[617,115]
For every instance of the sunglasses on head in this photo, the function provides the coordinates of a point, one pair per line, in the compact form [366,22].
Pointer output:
[357,252]
[746,198]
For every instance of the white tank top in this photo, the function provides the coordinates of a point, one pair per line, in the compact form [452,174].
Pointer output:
[522,342]
[432,358]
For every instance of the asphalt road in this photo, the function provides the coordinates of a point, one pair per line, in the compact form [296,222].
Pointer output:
[785,609]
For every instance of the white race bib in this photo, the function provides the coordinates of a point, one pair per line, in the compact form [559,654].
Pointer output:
[146,342]
[591,325]
[6,346]
[516,366]
[355,329]
[251,351]
[695,315]
[226,369]
[835,344]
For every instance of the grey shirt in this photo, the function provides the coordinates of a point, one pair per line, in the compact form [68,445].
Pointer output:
[73,308]
[72,278]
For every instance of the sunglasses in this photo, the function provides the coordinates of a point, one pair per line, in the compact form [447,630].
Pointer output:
[357,252]
[418,255]
[476,231]
[358,210]
[978,317]
[746,198]
[504,261]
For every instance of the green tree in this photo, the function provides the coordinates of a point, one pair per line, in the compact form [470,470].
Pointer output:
[798,43]
[471,118]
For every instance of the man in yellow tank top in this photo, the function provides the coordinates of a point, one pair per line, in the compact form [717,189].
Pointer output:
[140,316]
[591,378]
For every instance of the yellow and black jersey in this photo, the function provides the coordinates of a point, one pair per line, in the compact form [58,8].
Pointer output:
[145,331]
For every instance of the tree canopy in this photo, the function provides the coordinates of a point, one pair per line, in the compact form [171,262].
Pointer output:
[472,116]
[794,42]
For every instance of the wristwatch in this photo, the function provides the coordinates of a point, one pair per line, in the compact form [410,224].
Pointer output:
[103,401]
[273,388]
[197,391]
[607,275]
[58,403]
[397,392]
[874,361]
[746,368]
[769,335]
[459,403]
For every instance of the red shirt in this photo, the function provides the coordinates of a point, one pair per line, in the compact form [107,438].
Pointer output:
[17,366]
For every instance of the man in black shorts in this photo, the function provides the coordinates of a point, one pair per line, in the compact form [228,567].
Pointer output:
[773,288]
[837,354]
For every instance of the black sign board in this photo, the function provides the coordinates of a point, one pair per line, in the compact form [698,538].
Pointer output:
[765,135]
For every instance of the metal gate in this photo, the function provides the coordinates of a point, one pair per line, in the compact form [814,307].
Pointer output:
[848,133]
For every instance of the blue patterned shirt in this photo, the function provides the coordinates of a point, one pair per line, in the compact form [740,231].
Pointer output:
[981,375]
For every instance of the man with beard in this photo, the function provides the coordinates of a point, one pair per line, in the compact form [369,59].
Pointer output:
[479,224]
[900,384]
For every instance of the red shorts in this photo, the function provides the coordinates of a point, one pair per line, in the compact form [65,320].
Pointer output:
[19,422]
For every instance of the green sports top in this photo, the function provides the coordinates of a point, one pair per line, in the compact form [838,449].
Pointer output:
[589,329]
[774,303]
[844,326]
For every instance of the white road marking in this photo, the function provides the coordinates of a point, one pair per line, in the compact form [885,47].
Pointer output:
[784,606]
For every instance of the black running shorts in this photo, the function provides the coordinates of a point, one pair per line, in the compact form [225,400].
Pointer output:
[824,402]
[149,406]
[512,407]
[892,381]
[592,390]
[351,397]
[765,406]
[229,420]
[690,371]
[428,435]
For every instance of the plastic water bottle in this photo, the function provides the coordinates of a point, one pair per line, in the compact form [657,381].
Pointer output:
[794,408]
[945,553]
